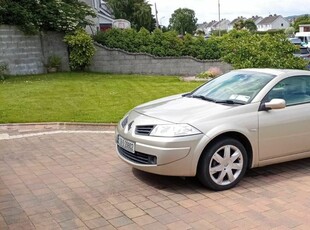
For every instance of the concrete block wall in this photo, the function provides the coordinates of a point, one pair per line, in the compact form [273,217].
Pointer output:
[25,54]
[29,54]
[117,61]
[53,44]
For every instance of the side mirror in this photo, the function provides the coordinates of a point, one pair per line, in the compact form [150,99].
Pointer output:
[275,104]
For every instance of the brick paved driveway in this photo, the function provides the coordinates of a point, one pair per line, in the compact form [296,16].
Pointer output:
[76,181]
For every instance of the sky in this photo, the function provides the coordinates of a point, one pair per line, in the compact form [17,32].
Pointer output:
[207,10]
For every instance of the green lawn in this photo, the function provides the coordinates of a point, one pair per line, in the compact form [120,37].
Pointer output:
[81,97]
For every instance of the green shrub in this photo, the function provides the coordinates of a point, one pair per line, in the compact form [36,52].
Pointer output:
[3,70]
[242,48]
[159,43]
[144,41]
[172,44]
[213,72]
[245,50]
[32,16]
[272,31]
[81,49]
[212,49]
[54,61]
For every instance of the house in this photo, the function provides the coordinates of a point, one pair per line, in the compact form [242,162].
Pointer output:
[273,22]
[202,27]
[304,34]
[304,28]
[256,19]
[104,18]
[207,28]
[210,27]
[221,25]
[231,24]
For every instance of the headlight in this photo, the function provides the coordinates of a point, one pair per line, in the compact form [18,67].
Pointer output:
[124,121]
[176,130]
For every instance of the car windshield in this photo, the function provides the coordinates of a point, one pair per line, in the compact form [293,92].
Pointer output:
[233,88]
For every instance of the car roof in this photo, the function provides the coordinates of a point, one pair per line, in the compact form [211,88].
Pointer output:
[277,71]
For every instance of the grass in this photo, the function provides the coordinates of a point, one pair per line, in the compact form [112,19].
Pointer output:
[81,97]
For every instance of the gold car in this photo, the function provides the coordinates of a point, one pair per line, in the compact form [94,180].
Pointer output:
[243,119]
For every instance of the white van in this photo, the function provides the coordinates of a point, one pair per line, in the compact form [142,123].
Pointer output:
[304,37]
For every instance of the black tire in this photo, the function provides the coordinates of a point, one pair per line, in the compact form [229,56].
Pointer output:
[218,172]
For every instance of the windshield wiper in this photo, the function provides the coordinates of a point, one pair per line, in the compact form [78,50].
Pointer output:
[203,98]
[231,102]
[186,94]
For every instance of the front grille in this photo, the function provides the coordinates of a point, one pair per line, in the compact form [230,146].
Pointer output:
[144,129]
[137,157]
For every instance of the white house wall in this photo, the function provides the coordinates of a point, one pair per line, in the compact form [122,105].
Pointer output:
[280,23]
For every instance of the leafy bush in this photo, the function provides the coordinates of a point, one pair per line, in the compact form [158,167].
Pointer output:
[45,15]
[271,32]
[210,73]
[245,50]
[3,70]
[159,43]
[54,61]
[304,19]
[81,48]
[242,48]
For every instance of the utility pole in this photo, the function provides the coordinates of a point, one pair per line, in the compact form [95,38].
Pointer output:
[156,16]
[219,5]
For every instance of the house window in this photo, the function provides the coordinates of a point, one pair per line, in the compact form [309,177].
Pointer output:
[282,24]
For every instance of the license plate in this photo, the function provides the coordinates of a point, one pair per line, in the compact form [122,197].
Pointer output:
[126,144]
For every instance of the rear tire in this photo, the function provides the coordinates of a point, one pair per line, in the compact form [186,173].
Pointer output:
[222,164]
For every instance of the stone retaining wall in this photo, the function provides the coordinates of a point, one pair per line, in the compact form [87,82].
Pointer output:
[25,54]
[118,61]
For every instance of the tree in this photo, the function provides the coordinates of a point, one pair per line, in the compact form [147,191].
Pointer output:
[289,32]
[305,19]
[218,33]
[183,20]
[250,50]
[138,12]
[248,24]
[53,15]
[239,25]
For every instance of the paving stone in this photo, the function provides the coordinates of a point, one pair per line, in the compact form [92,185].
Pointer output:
[135,212]
[96,223]
[120,221]
[143,220]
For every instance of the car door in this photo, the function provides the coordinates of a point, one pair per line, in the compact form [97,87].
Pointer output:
[284,132]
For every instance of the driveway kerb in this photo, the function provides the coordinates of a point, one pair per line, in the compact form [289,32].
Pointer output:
[23,128]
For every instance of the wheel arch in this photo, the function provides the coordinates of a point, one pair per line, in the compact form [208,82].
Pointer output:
[235,135]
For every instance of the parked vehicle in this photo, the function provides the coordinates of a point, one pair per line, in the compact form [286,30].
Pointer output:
[243,119]
[303,52]
[304,37]
[295,41]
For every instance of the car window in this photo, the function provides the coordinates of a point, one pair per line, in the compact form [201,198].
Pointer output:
[294,90]
[234,86]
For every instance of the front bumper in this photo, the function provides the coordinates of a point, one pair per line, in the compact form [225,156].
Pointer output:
[173,156]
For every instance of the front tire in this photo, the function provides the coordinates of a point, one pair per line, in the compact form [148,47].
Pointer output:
[223,164]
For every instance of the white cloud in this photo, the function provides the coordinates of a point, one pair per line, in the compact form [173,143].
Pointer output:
[207,10]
